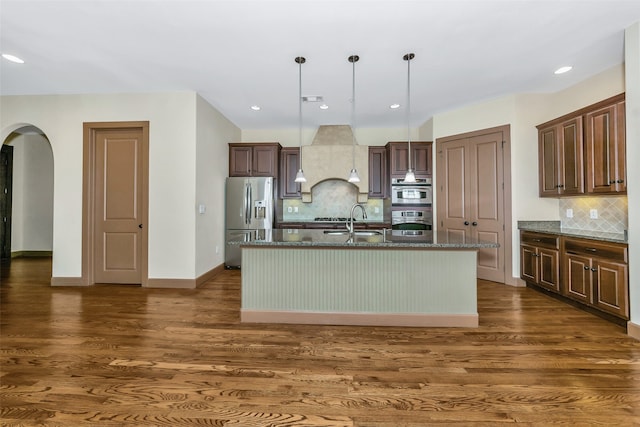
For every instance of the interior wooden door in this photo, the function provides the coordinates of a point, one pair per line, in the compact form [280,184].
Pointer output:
[471,196]
[118,205]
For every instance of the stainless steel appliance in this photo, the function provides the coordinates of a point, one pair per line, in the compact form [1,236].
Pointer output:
[417,193]
[411,219]
[249,214]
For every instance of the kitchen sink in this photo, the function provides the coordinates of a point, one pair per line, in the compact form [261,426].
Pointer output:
[356,233]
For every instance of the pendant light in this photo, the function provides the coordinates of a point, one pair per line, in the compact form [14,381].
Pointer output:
[353,176]
[409,176]
[300,60]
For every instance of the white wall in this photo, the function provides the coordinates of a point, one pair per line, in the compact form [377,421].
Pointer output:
[172,166]
[32,199]
[213,132]
[632,55]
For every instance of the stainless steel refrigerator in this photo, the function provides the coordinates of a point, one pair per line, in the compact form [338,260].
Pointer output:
[249,214]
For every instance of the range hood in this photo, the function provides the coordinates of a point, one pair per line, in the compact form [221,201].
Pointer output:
[330,157]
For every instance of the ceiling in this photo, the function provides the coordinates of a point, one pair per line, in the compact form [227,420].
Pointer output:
[240,53]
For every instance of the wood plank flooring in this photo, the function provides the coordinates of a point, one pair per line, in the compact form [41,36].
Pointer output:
[128,356]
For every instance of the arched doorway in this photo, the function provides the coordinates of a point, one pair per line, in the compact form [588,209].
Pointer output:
[26,192]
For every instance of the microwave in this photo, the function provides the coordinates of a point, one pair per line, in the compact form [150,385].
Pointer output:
[415,193]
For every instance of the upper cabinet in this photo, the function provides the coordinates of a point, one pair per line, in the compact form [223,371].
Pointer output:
[584,152]
[259,159]
[378,172]
[561,154]
[289,165]
[421,159]
[605,148]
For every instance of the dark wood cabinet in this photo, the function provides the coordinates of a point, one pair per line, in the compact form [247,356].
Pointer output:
[561,158]
[421,159]
[605,147]
[249,159]
[289,165]
[593,273]
[378,172]
[584,152]
[596,274]
[540,260]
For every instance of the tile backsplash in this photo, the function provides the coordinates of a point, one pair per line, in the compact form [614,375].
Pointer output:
[330,198]
[611,211]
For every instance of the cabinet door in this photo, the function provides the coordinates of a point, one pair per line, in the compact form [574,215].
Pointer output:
[605,147]
[529,264]
[289,165]
[549,273]
[610,290]
[421,159]
[378,180]
[571,157]
[265,161]
[548,161]
[240,161]
[578,278]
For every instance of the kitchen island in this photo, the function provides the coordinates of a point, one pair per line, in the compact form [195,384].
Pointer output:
[385,278]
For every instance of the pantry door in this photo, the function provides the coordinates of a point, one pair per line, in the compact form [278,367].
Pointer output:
[116,188]
[471,195]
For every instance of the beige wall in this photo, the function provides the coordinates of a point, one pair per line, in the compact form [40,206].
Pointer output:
[632,55]
[172,170]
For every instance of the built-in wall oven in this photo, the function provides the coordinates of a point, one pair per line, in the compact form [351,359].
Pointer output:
[415,193]
[415,218]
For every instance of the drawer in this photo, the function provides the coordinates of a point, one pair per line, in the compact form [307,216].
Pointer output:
[539,239]
[610,251]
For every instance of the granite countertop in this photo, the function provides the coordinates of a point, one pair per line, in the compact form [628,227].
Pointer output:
[554,227]
[386,239]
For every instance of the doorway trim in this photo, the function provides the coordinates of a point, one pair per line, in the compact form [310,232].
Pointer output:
[506,160]
[88,196]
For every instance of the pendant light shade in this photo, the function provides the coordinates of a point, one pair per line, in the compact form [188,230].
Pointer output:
[353,175]
[410,175]
[300,60]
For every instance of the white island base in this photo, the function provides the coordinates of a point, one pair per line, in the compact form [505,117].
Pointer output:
[359,286]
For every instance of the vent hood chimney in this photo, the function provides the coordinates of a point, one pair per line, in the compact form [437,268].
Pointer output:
[330,157]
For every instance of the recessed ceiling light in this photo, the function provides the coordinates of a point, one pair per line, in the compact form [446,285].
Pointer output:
[12,58]
[255,108]
[394,106]
[324,107]
[563,70]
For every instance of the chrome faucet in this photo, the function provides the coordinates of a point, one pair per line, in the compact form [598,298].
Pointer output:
[353,209]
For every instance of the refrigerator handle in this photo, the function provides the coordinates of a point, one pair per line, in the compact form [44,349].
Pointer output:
[247,208]
[250,208]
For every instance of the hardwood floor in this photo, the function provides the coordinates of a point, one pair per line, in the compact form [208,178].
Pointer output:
[129,356]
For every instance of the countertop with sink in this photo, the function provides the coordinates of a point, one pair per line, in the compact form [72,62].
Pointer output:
[366,238]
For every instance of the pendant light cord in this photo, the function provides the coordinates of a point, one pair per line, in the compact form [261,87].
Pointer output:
[409,57]
[353,112]
[300,109]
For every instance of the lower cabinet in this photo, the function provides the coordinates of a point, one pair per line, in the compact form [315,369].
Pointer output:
[597,274]
[591,272]
[539,260]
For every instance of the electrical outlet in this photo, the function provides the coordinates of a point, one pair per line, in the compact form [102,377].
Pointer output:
[289,209]
[569,213]
[593,214]
[295,209]
[217,249]
[376,210]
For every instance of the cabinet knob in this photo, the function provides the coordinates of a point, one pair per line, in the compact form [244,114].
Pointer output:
[591,249]
[594,269]
[466,223]
[620,181]
[474,223]
[586,267]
